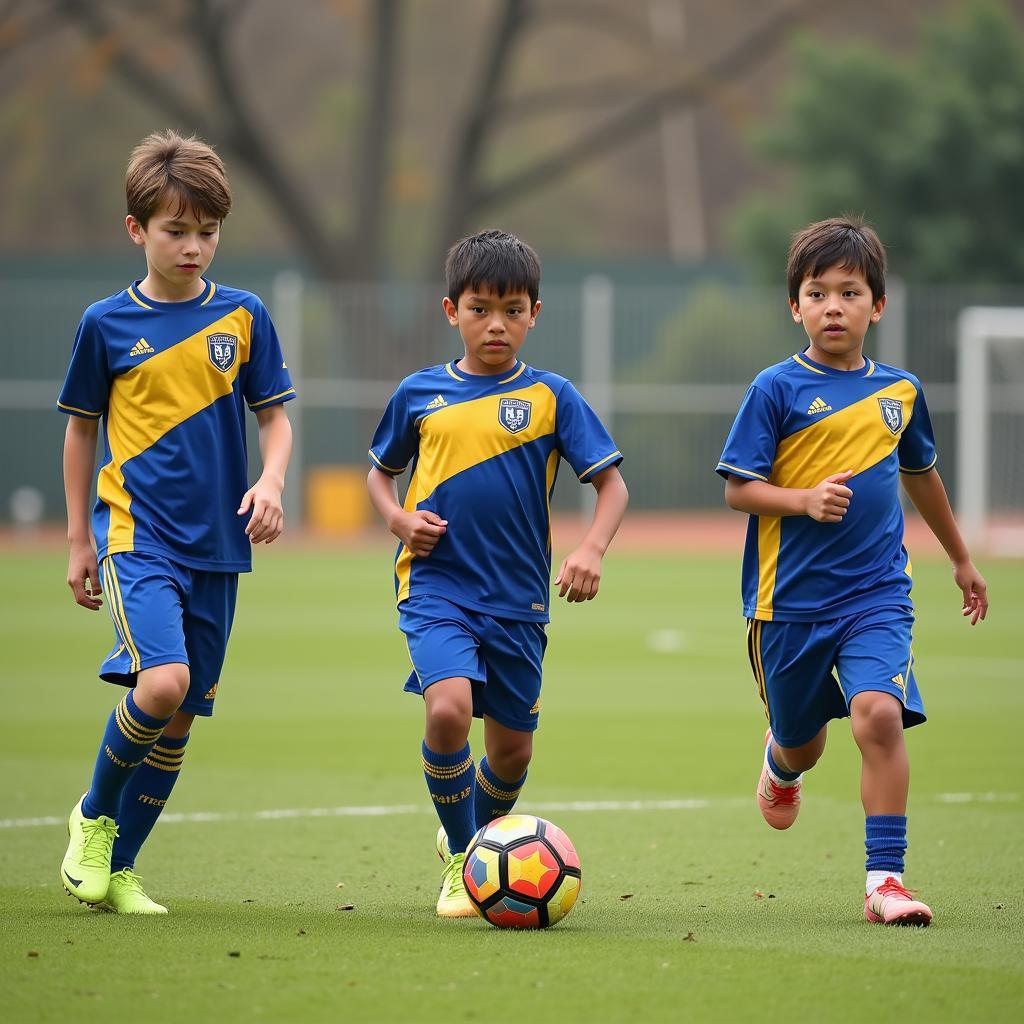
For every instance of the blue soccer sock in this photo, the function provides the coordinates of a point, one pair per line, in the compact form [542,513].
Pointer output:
[780,774]
[885,839]
[143,799]
[494,796]
[450,780]
[129,737]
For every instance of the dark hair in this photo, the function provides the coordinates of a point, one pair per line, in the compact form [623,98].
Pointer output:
[847,242]
[168,165]
[493,258]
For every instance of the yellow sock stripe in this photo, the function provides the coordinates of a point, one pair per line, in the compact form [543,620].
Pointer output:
[492,791]
[166,756]
[132,730]
[163,764]
[117,611]
[445,772]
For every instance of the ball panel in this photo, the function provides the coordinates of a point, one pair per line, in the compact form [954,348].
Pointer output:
[511,913]
[564,899]
[562,844]
[509,828]
[532,869]
[481,874]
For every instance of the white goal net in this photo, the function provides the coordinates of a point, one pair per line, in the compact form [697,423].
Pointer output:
[990,428]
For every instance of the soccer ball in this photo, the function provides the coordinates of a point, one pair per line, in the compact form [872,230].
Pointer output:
[522,872]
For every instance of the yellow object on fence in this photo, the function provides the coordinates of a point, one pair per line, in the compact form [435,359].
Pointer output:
[336,498]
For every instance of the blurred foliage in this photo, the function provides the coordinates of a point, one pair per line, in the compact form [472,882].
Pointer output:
[929,147]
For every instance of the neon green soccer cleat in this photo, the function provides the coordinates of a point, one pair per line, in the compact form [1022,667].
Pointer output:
[126,895]
[85,872]
[453,900]
[442,845]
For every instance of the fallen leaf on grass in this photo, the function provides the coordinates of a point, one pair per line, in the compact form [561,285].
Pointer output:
[626,896]
[235,953]
[758,895]
[248,901]
[345,906]
[689,937]
[999,906]
[33,953]
[340,885]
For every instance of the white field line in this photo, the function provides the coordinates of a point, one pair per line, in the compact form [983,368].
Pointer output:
[392,810]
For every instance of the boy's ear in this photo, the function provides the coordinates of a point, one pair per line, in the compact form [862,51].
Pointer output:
[135,229]
[794,308]
[534,312]
[876,312]
[451,311]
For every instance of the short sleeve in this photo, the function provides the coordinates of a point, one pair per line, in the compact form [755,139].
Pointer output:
[396,438]
[750,447]
[267,380]
[917,442]
[87,383]
[582,439]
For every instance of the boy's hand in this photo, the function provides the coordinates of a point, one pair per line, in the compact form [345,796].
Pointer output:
[84,575]
[974,588]
[419,531]
[267,520]
[828,502]
[580,575]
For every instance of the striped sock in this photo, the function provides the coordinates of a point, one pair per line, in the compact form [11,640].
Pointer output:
[494,796]
[144,797]
[451,784]
[127,740]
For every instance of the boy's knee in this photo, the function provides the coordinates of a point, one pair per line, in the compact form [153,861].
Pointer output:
[449,717]
[159,691]
[876,717]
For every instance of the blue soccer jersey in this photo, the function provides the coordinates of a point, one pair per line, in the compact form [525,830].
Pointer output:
[170,380]
[484,452]
[799,423]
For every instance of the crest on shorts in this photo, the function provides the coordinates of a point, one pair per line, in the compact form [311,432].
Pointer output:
[514,414]
[892,413]
[223,349]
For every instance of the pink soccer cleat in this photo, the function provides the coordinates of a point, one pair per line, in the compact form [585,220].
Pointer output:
[890,903]
[779,804]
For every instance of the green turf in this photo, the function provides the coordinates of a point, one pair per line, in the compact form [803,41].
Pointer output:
[725,920]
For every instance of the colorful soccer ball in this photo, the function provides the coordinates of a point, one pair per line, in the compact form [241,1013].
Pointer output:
[522,872]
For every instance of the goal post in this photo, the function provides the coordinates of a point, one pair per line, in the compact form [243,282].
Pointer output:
[986,334]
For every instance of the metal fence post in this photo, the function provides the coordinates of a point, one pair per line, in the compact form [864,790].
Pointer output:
[286,291]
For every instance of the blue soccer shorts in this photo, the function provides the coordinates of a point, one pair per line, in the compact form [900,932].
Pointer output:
[166,613]
[501,657]
[808,672]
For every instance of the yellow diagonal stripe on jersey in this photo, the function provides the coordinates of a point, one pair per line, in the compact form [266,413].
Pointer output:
[153,398]
[476,425]
[853,438]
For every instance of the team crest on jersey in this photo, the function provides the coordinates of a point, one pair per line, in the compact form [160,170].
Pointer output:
[514,414]
[223,349]
[892,413]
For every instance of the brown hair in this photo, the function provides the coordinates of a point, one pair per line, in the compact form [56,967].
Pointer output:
[168,165]
[847,242]
[495,259]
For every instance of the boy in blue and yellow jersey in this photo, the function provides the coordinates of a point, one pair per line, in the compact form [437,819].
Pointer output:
[168,364]
[814,457]
[483,436]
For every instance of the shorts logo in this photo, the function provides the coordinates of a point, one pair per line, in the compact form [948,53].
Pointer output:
[892,413]
[223,349]
[211,692]
[514,414]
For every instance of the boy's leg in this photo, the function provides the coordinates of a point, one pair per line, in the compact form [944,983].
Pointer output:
[875,667]
[502,772]
[447,761]
[791,663]
[133,729]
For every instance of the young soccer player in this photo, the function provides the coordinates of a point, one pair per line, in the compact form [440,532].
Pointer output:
[484,435]
[814,456]
[167,363]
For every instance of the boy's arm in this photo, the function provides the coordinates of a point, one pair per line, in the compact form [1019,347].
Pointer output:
[79,463]
[264,497]
[579,577]
[929,497]
[827,503]
[419,531]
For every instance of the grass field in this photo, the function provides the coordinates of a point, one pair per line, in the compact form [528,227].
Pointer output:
[648,699]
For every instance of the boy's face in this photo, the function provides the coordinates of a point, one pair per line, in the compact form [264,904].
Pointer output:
[493,327]
[179,248]
[836,309]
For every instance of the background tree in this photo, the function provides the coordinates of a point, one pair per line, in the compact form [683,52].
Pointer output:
[929,148]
